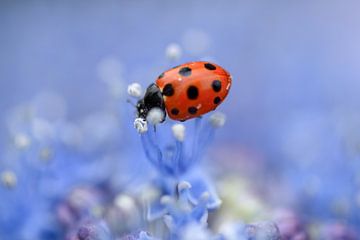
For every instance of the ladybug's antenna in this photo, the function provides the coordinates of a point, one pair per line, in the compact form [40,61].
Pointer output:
[131,102]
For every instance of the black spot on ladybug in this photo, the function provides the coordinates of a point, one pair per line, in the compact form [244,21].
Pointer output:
[216,85]
[217,100]
[161,76]
[209,66]
[168,90]
[192,92]
[174,111]
[192,110]
[185,71]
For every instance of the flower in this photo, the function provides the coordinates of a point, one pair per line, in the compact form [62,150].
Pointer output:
[258,231]
[174,157]
[290,225]
[91,230]
[142,235]
[177,161]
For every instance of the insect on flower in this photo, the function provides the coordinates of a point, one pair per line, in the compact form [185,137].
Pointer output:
[186,91]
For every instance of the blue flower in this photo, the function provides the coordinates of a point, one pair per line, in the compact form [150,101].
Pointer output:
[176,157]
[142,235]
[255,231]
[185,194]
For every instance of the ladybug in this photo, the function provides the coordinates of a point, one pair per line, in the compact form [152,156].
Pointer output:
[186,91]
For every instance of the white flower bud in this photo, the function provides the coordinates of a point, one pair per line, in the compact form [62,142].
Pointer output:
[135,90]
[205,196]
[173,51]
[166,200]
[217,119]
[21,141]
[155,116]
[140,125]
[179,131]
[230,230]
[183,185]
[196,231]
[8,179]
[125,202]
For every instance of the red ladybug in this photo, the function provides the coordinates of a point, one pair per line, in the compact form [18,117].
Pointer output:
[187,91]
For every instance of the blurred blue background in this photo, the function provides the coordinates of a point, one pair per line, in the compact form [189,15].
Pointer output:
[285,56]
[293,108]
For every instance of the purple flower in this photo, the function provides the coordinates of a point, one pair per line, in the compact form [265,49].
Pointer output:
[91,230]
[256,231]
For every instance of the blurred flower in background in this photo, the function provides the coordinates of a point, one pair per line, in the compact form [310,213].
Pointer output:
[284,164]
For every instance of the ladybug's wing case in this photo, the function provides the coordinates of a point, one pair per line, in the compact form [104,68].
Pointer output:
[193,89]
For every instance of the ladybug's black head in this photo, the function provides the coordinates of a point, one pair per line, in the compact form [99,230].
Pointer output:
[152,99]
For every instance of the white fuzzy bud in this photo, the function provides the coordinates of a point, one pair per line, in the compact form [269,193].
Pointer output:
[229,230]
[196,231]
[173,51]
[135,90]
[8,179]
[179,131]
[125,202]
[21,141]
[155,116]
[183,185]
[140,125]
[149,193]
[205,196]
[217,119]
[166,200]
